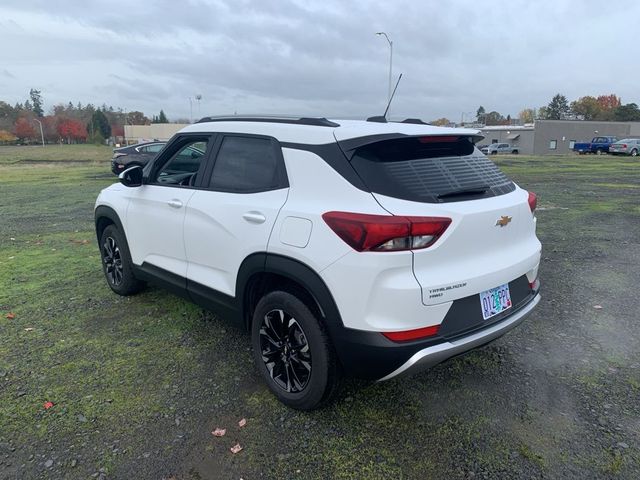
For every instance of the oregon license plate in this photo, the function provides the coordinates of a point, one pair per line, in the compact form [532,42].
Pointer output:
[495,301]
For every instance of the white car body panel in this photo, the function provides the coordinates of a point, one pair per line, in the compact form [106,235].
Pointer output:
[154,228]
[222,229]
[474,254]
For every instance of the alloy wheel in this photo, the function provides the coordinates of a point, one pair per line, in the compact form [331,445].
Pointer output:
[112,261]
[285,351]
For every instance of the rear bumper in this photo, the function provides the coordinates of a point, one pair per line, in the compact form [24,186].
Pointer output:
[430,356]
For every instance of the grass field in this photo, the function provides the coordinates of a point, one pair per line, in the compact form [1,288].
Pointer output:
[55,153]
[139,383]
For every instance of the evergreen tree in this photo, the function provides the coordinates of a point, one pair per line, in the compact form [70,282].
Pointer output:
[558,108]
[99,125]
[36,100]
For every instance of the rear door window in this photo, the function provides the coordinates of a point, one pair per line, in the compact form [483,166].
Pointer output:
[248,164]
[429,169]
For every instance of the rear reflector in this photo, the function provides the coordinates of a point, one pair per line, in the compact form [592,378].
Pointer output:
[533,201]
[409,335]
[385,233]
[535,285]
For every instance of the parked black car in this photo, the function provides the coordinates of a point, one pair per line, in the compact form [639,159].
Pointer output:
[133,155]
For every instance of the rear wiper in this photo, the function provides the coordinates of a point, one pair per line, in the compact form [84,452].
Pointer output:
[475,190]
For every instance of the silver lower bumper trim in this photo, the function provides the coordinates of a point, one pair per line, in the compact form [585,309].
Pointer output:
[431,356]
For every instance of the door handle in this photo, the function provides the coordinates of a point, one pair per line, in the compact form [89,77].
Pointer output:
[175,203]
[254,217]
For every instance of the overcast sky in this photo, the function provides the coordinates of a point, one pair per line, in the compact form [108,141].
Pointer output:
[318,58]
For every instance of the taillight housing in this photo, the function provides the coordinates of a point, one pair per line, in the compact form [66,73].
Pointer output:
[386,233]
[533,201]
[535,285]
[409,335]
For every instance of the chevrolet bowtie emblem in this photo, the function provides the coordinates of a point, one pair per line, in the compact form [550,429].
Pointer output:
[503,221]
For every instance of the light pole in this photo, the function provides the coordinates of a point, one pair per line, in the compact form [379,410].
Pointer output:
[190,110]
[41,132]
[390,61]
[198,98]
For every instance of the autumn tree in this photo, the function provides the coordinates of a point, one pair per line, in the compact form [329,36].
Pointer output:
[528,115]
[558,108]
[7,137]
[607,104]
[36,101]
[137,118]
[494,118]
[24,130]
[72,130]
[586,108]
[441,122]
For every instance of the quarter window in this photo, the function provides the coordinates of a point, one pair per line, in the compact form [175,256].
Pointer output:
[246,164]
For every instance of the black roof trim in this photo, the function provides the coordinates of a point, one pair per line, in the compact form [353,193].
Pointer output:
[313,121]
[377,119]
[416,121]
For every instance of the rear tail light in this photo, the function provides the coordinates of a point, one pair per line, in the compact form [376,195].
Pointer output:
[385,233]
[533,201]
[409,335]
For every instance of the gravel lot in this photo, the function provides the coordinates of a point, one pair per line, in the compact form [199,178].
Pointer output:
[138,384]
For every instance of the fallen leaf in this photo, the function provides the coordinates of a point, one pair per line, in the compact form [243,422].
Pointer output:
[10,315]
[48,405]
[598,307]
[28,329]
[219,432]
[242,422]
[236,448]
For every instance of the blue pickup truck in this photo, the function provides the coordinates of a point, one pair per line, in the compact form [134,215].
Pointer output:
[598,145]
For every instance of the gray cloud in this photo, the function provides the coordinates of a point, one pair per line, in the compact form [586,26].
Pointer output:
[316,58]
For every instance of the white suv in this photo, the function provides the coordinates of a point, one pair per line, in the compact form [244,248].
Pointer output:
[359,248]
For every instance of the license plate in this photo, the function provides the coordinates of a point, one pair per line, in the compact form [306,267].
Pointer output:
[495,301]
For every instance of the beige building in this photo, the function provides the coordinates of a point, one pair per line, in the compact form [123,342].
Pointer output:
[149,133]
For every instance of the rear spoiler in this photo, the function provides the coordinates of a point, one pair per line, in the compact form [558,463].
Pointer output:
[351,145]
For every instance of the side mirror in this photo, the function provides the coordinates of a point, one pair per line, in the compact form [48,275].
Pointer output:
[131,177]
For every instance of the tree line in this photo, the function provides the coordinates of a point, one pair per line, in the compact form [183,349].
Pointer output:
[70,123]
[600,108]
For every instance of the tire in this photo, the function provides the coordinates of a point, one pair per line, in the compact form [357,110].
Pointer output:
[634,152]
[298,363]
[599,151]
[116,262]
[515,152]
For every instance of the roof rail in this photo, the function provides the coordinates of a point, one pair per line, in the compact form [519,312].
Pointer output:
[314,121]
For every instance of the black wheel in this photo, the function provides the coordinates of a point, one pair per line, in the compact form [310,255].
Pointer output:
[515,152]
[599,151]
[116,262]
[634,152]
[293,352]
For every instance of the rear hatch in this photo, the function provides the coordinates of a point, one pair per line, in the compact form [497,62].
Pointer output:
[491,239]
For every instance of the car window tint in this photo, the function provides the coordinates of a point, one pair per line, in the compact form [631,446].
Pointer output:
[182,168]
[154,148]
[245,164]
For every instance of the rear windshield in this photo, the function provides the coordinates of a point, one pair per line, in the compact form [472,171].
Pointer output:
[429,169]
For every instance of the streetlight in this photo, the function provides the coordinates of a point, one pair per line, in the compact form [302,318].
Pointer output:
[198,98]
[41,132]
[390,60]
[190,110]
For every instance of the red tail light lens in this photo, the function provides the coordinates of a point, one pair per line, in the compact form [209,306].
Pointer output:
[533,201]
[409,335]
[385,233]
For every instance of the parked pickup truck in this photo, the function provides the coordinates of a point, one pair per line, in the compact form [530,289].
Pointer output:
[598,145]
